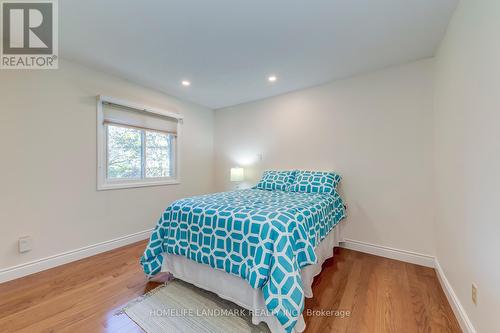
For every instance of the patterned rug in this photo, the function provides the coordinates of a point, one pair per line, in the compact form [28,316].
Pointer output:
[181,307]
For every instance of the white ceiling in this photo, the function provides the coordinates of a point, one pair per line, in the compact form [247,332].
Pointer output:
[228,48]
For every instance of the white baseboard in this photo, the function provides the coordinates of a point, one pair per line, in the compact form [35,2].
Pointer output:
[389,252]
[418,259]
[14,272]
[462,317]
[39,265]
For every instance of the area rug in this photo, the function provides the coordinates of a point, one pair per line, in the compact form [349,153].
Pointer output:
[181,307]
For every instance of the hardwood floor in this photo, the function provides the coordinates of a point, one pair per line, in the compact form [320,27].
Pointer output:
[376,295]
[382,295]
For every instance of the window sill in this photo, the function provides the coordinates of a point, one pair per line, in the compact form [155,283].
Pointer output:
[135,184]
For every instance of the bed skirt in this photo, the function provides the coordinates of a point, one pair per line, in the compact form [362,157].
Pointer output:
[237,290]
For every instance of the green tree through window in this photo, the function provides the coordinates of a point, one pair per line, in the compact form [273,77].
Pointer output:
[134,153]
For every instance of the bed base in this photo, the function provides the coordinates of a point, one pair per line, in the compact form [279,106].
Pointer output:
[237,290]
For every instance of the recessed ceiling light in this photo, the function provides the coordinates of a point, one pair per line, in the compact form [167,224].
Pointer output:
[272,78]
[186,83]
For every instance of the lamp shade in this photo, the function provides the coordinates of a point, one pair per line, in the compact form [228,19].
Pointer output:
[237,174]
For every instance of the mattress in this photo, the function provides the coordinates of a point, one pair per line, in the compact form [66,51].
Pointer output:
[237,290]
[263,237]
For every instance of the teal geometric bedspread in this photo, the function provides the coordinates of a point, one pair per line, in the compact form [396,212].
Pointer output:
[264,237]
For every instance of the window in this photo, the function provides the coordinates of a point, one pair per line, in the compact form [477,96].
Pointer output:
[137,147]
[138,153]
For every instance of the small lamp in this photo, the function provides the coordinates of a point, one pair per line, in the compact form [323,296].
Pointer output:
[237,174]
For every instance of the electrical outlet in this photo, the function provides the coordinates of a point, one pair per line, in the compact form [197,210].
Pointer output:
[474,293]
[25,244]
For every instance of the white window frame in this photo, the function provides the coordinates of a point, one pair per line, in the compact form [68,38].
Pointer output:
[103,183]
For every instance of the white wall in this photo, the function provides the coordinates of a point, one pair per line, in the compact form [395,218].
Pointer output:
[48,162]
[375,130]
[467,154]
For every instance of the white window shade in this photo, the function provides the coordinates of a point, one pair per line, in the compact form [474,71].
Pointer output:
[118,114]
[137,145]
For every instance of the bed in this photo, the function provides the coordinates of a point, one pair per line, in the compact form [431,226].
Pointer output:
[258,248]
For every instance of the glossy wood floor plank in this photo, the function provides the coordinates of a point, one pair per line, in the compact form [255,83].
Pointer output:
[380,295]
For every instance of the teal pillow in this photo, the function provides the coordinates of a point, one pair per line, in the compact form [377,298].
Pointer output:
[315,182]
[276,180]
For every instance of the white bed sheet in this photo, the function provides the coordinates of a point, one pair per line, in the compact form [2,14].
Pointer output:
[237,290]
